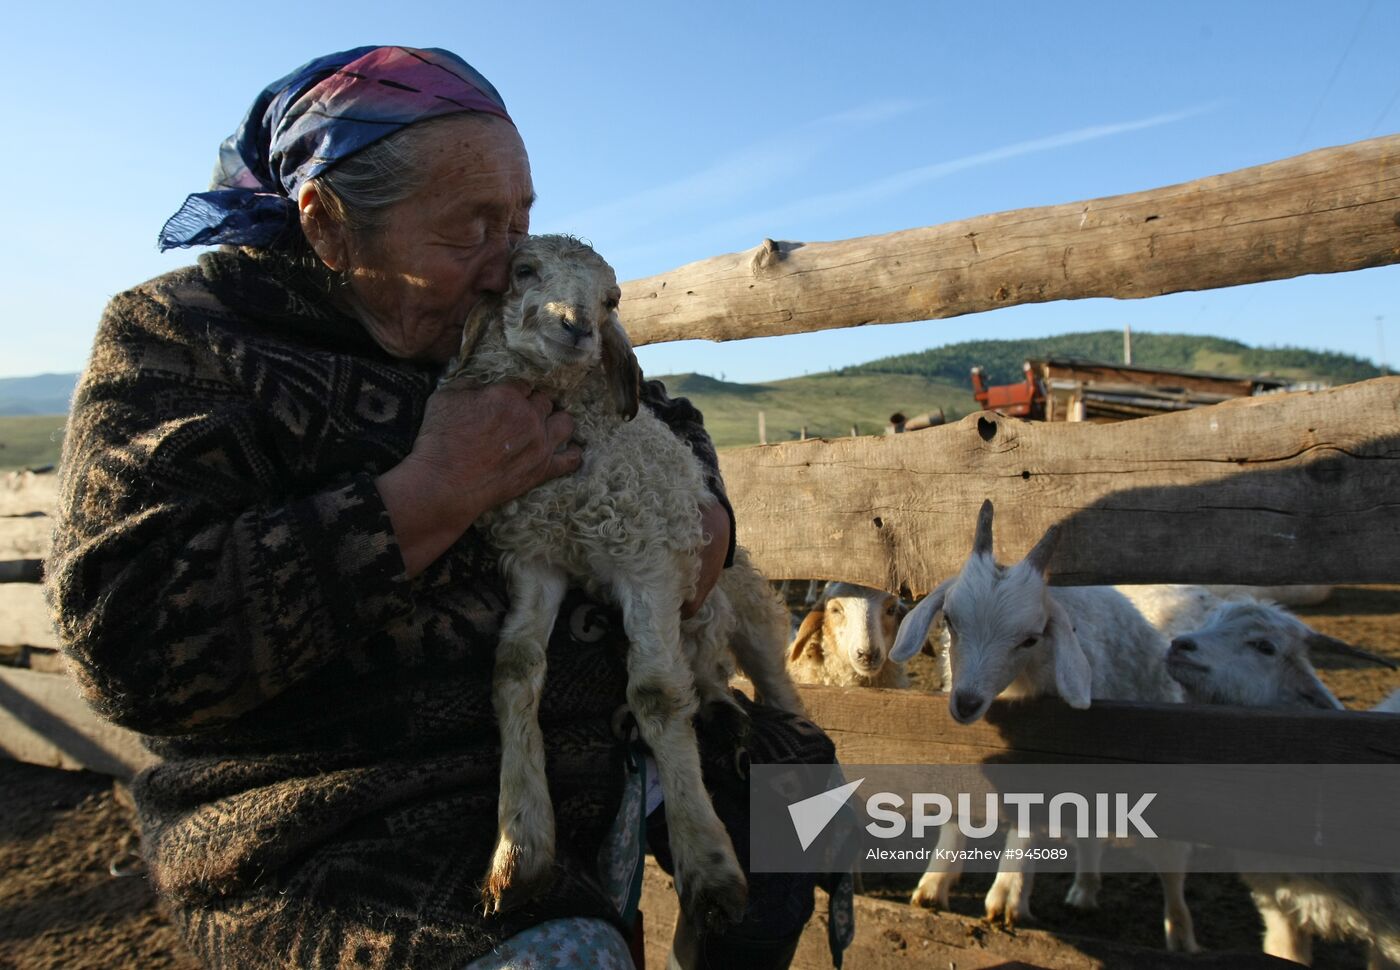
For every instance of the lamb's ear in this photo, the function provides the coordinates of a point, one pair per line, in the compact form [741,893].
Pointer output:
[982,539]
[1039,557]
[913,629]
[807,635]
[1321,643]
[479,320]
[1073,678]
[620,365]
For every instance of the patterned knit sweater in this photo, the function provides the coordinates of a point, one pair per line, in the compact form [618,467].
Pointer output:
[226,582]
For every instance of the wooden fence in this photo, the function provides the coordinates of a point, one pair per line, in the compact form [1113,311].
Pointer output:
[1294,488]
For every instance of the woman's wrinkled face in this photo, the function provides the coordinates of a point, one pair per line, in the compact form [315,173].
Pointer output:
[413,281]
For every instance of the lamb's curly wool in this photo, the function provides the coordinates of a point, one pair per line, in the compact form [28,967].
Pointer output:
[627,526]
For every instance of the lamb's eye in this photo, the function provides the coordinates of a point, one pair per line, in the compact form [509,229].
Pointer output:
[948,622]
[1027,643]
[524,271]
[610,304]
[889,610]
[834,608]
[1263,646]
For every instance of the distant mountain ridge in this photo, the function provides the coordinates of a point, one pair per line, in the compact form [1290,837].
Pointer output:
[40,394]
[1002,359]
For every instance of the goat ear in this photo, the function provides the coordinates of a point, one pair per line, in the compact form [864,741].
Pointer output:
[913,629]
[1073,677]
[982,539]
[1039,557]
[479,320]
[1321,643]
[1312,691]
[620,366]
[807,635]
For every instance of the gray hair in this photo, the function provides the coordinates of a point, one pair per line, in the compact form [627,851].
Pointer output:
[358,190]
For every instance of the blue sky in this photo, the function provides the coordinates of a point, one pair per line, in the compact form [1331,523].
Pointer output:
[667,133]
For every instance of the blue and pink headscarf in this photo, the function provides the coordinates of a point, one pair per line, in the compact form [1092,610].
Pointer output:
[301,125]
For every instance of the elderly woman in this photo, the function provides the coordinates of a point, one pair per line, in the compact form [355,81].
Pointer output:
[265,560]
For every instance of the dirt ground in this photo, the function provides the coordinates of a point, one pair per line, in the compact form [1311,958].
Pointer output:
[61,909]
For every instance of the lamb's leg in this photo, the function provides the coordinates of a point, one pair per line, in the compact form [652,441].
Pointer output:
[524,856]
[662,697]
[1009,899]
[935,886]
[759,639]
[1283,937]
[1088,878]
[1171,859]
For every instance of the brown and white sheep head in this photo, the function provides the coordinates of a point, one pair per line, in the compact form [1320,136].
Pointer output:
[560,314]
[855,622]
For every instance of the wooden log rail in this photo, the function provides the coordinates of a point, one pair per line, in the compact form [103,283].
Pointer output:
[1327,211]
[1288,488]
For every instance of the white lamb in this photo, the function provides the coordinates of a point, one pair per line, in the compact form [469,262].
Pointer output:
[1010,635]
[1258,655]
[846,638]
[626,526]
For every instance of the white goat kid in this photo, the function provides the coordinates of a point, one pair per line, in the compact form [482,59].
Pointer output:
[1012,636]
[1257,654]
[846,638]
[626,526]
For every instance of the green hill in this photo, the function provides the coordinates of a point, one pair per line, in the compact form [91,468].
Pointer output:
[1002,359]
[862,395]
[867,394]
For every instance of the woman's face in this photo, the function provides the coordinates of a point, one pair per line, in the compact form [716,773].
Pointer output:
[413,281]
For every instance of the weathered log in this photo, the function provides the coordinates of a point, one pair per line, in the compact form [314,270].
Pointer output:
[912,727]
[1327,211]
[23,493]
[1274,490]
[25,536]
[24,617]
[44,721]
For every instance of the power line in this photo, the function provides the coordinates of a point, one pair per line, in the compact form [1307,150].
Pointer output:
[1361,22]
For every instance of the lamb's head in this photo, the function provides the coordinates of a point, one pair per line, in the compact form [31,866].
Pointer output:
[1254,654]
[1001,621]
[559,316]
[855,622]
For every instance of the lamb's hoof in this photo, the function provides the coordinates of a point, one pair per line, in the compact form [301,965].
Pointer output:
[1082,899]
[517,875]
[933,897]
[716,903]
[1182,942]
[926,899]
[1008,918]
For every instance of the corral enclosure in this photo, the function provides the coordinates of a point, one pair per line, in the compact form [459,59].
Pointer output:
[1287,489]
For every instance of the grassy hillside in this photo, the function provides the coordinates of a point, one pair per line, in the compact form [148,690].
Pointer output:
[827,404]
[863,395]
[1003,358]
[30,440]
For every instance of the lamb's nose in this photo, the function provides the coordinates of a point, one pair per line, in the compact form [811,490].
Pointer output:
[576,331]
[866,657]
[966,704]
[1183,645]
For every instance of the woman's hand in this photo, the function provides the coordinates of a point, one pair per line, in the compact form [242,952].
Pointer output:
[715,521]
[478,447]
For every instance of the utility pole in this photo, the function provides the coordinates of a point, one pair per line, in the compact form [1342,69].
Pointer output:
[1128,344]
